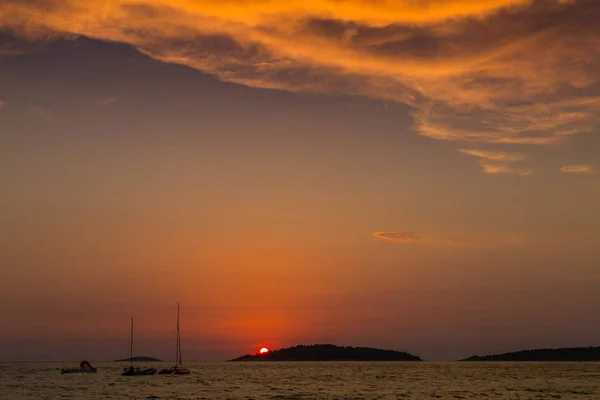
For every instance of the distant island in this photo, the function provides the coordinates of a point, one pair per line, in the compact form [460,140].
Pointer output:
[566,354]
[139,359]
[329,352]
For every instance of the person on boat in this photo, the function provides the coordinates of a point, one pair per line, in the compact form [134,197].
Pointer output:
[85,366]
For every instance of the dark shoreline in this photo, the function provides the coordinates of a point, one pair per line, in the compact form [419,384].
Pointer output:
[568,354]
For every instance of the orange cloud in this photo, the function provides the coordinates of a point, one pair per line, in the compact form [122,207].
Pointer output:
[493,162]
[410,238]
[510,72]
[479,240]
[495,155]
[399,237]
[577,169]
[504,169]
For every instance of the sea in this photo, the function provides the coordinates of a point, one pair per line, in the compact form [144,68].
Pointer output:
[307,380]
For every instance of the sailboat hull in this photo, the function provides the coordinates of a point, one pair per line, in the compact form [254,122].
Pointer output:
[166,371]
[139,372]
[174,371]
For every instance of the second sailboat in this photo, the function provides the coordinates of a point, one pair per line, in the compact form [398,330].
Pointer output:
[178,369]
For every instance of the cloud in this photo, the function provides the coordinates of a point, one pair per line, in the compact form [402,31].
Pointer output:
[578,169]
[106,101]
[496,72]
[410,238]
[479,240]
[494,162]
[3,104]
[495,155]
[399,237]
[495,168]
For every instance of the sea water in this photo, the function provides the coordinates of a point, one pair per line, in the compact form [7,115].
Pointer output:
[296,381]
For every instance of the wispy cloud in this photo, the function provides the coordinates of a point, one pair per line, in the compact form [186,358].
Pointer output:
[495,162]
[3,104]
[578,169]
[495,168]
[495,155]
[411,238]
[399,237]
[106,101]
[479,240]
[510,72]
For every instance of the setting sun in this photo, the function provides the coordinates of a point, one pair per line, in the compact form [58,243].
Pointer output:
[263,350]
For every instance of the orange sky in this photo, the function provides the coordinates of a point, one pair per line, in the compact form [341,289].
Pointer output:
[417,175]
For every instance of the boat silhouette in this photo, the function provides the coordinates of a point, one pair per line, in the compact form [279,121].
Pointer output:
[135,371]
[84,367]
[178,368]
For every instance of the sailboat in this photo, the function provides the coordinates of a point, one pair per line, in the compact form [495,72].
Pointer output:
[131,370]
[178,368]
[84,367]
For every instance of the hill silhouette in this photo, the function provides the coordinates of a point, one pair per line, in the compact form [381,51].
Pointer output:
[329,352]
[139,359]
[564,354]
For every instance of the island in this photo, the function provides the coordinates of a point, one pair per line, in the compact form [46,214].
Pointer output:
[565,354]
[139,359]
[329,352]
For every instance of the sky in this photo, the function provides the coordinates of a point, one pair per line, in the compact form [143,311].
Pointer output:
[417,175]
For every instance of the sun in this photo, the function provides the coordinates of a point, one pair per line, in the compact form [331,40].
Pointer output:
[263,350]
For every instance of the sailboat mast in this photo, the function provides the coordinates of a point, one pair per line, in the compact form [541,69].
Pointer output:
[131,345]
[177,339]
[179,362]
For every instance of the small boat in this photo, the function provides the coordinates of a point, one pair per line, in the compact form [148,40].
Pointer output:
[135,371]
[84,367]
[178,368]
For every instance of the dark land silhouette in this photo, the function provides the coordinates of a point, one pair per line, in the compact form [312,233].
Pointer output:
[139,359]
[565,354]
[329,352]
